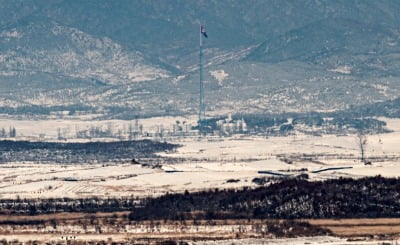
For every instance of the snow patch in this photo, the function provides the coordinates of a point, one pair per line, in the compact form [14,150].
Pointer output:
[146,74]
[11,34]
[179,78]
[342,70]
[219,75]
[7,73]
[382,89]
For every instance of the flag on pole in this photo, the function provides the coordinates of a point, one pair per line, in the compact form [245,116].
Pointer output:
[203,31]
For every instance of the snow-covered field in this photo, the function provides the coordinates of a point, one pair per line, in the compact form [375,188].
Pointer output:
[297,241]
[49,128]
[270,241]
[210,163]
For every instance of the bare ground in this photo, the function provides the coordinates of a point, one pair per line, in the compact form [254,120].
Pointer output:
[116,227]
[360,227]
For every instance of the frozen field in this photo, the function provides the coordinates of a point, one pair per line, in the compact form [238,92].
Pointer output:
[297,241]
[49,128]
[210,163]
[264,241]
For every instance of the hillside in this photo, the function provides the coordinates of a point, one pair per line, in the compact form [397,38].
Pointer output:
[371,197]
[140,58]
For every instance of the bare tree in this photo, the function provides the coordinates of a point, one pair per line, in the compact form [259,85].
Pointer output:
[362,141]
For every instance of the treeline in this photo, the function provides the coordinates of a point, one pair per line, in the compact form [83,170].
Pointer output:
[20,151]
[44,110]
[331,123]
[356,118]
[337,122]
[370,197]
[12,132]
[57,205]
[109,112]
[389,108]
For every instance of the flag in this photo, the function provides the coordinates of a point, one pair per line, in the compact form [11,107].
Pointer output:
[203,31]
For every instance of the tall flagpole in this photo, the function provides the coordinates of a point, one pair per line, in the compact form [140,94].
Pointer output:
[201,99]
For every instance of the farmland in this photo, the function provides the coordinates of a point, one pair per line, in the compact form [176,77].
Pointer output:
[202,163]
[120,183]
[113,227]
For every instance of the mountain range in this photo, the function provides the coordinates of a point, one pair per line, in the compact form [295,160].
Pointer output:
[125,59]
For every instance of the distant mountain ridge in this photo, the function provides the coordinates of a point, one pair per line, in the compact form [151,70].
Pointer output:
[42,45]
[141,57]
[327,37]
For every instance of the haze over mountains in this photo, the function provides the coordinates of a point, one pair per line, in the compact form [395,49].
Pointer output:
[140,58]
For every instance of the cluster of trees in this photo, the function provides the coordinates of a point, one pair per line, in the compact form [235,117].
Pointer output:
[283,124]
[259,120]
[57,205]
[370,197]
[12,132]
[390,108]
[44,110]
[114,223]
[115,112]
[94,132]
[132,132]
[19,151]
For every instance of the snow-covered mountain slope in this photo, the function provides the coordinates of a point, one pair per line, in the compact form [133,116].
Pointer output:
[44,46]
[140,58]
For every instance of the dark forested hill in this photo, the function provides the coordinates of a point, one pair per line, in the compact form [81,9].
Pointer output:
[370,197]
[90,152]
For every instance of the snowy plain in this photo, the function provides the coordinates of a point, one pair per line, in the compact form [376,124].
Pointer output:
[264,241]
[210,162]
